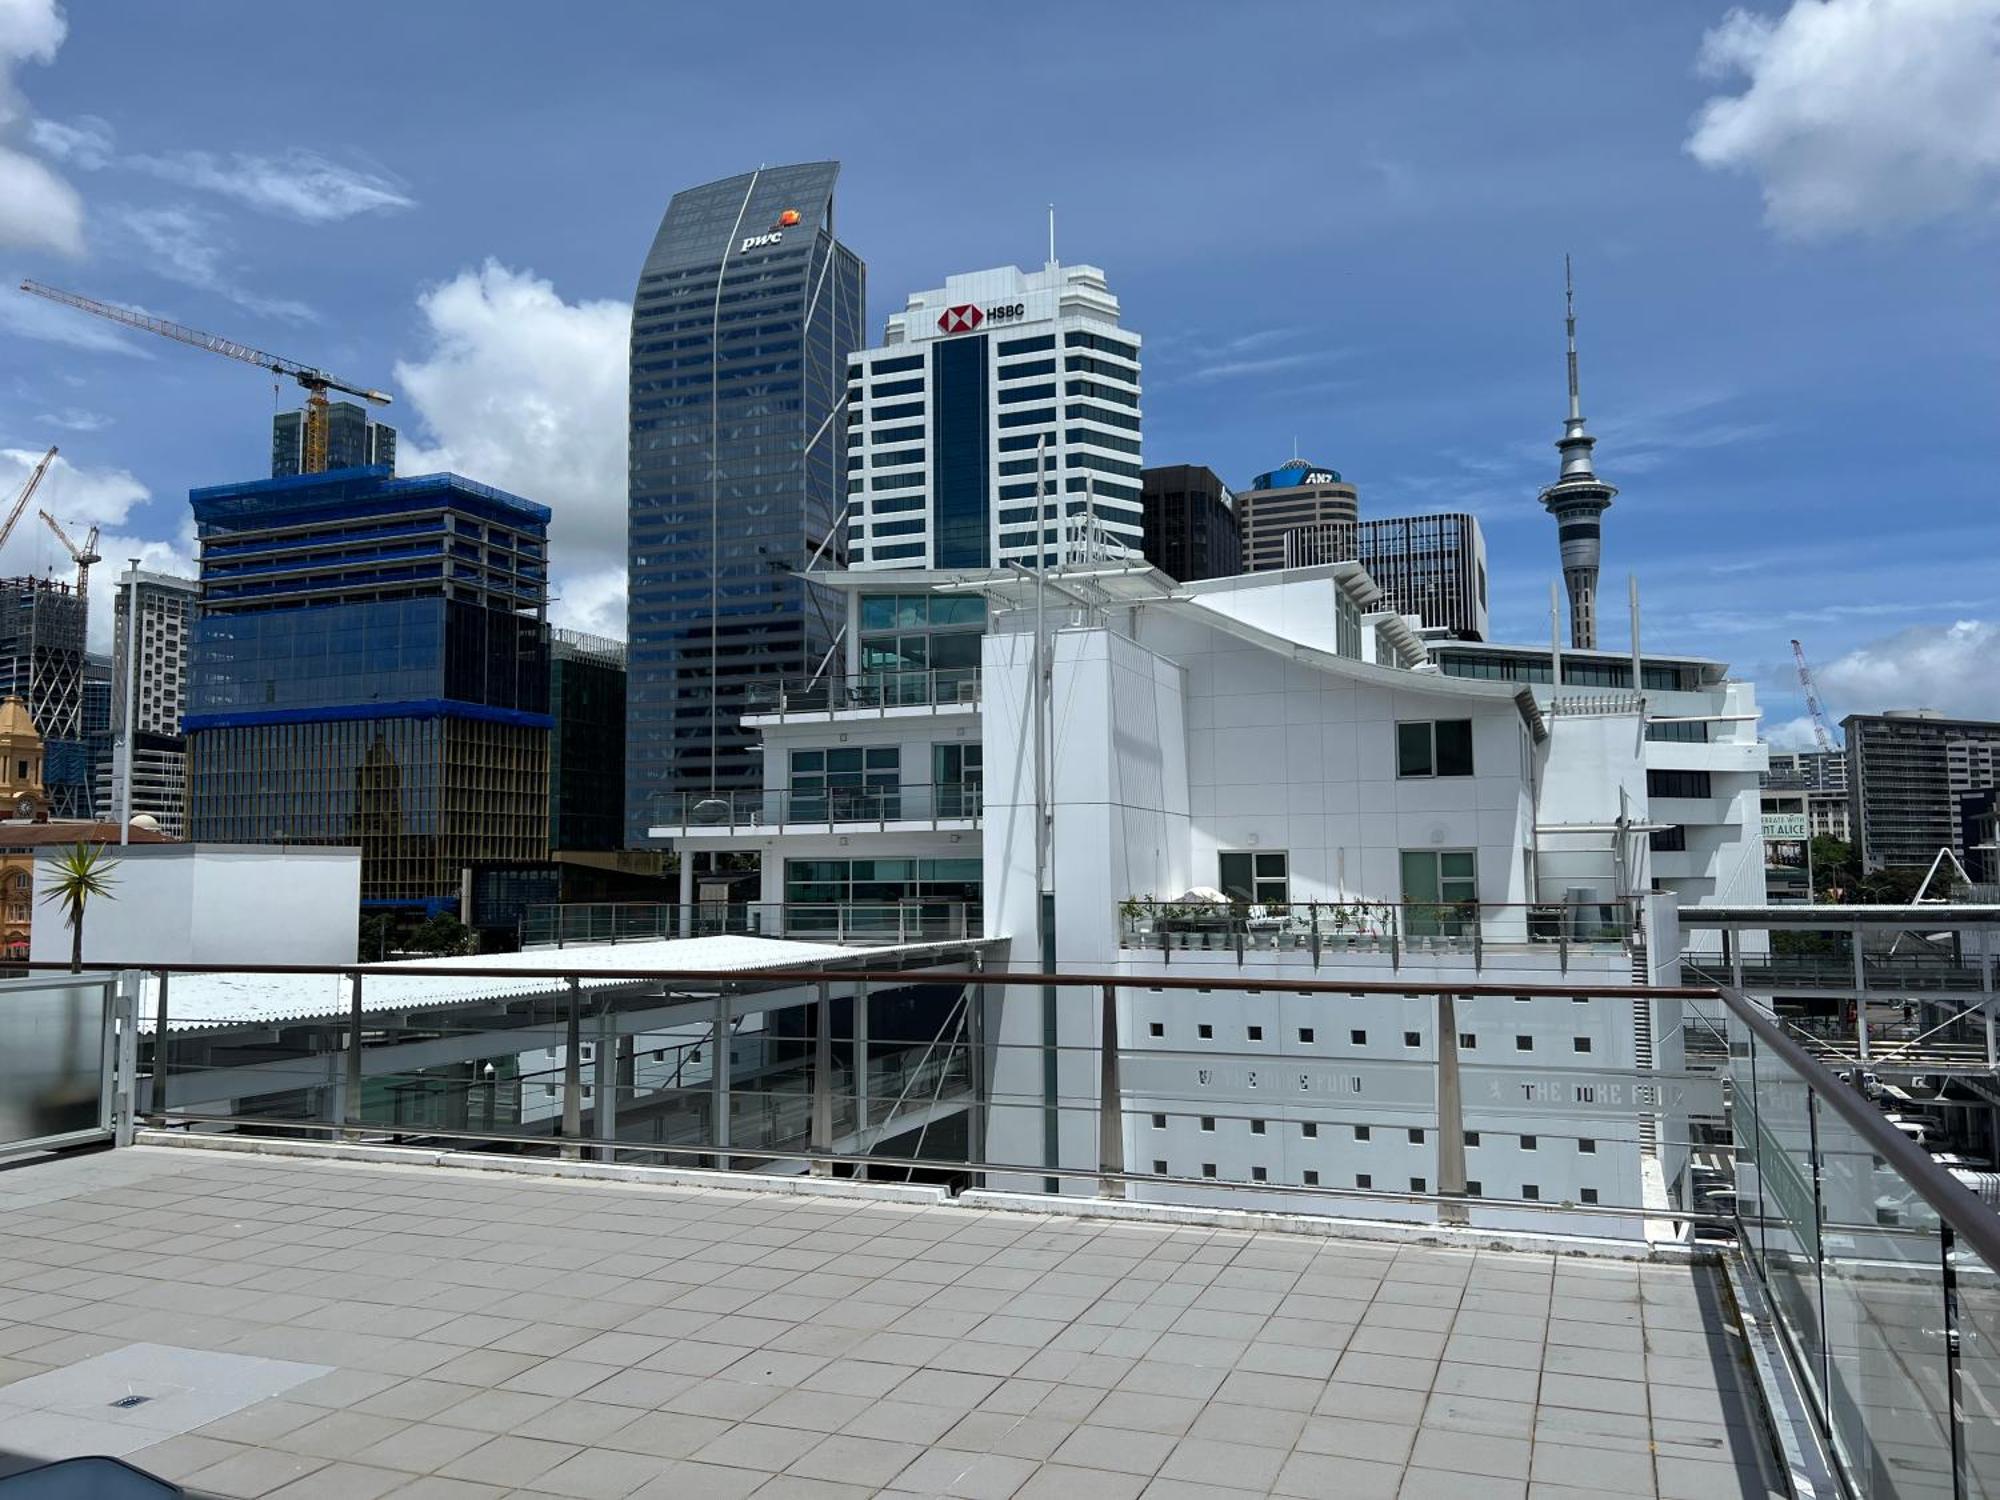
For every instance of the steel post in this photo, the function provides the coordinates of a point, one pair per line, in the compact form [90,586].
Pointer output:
[822,1078]
[351,1103]
[718,1076]
[1110,1098]
[605,1080]
[1450,1116]
[160,1096]
[572,1108]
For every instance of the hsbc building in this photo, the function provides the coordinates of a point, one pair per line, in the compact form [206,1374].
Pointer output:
[997,422]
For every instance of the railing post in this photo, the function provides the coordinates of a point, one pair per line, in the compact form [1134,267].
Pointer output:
[1562,935]
[1395,938]
[160,1050]
[1478,942]
[718,1076]
[605,1080]
[572,1110]
[975,1041]
[861,1120]
[822,1084]
[1110,1099]
[351,1104]
[1450,1115]
[1860,994]
[123,994]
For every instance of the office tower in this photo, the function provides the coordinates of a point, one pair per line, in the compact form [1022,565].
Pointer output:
[1292,496]
[41,659]
[147,689]
[746,311]
[1578,500]
[354,440]
[998,421]
[391,696]
[1433,567]
[1820,777]
[587,741]
[1190,523]
[1907,770]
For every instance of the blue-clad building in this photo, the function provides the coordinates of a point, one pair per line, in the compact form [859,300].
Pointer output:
[745,313]
[370,666]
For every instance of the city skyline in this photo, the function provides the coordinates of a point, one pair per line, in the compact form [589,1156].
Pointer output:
[1752,371]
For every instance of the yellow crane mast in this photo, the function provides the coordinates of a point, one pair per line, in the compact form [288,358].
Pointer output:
[316,383]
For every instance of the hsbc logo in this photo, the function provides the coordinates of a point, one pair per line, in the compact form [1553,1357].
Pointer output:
[966,317]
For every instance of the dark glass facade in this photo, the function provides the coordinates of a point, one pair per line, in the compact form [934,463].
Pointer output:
[746,311]
[353,440]
[962,505]
[587,746]
[1190,527]
[370,667]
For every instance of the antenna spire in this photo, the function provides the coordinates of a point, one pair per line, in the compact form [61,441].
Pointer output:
[1569,325]
[1052,234]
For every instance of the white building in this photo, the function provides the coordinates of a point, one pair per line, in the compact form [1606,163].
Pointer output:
[997,418]
[148,696]
[1279,738]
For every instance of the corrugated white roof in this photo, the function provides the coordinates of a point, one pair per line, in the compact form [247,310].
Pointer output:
[204,1000]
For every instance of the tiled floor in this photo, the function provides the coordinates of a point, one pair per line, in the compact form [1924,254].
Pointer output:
[491,1336]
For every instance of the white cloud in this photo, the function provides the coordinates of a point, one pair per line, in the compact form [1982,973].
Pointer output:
[299,184]
[1858,114]
[1793,734]
[75,419]
[86,144]
[523,390]
[185,246]
[1946,667]
[38,210]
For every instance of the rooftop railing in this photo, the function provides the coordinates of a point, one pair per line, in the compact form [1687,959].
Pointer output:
[878,692]
[857,807]
[1327,931]
[866,923]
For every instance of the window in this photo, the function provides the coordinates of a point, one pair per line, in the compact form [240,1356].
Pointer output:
[1529,1142]
[1677,784]
[1529,1190]
[1155,1028]
[1358,1038]
[1471,1137]
[1440,891]
[1468,1041]
[1364,1180]
[1434,747]
[1310,1130]
[1419,1185]
[1524,1044]
[1257,1127]
[1159,1122]
[1208,1123]
[1416,1137]
[1254,1033]
[1580,1043]
[1159,1167]
[1668,840]
[1257,1174]
[1311,1177]
[1260,877]
[1586,1146]
[1208,1169]
[1205,1031]
[1413,1039]
[1588,1195]
[1471,1188]
[1306,1035]
[1364,1133]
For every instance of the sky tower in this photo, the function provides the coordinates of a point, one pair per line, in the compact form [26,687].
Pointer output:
[1578,500]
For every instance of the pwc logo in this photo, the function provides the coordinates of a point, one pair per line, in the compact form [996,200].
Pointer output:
[961,319]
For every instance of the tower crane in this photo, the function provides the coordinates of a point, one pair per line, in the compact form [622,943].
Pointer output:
[315,383]
[1820,730]
[27,494]
[82,556]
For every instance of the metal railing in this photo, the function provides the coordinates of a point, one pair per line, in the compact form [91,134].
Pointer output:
[876,692]
[1330,930]
[955,804]
[864,923]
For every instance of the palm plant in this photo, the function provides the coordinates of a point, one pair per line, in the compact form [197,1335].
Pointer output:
[81,872]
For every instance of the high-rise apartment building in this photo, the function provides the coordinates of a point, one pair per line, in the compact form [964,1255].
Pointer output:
[354,440]
[148,692]
[1296,495]
[370,667]
[746,311]
[1818,778]
[1907,770]
[1433,567]
[997,422]
[1190,523]
[587,741]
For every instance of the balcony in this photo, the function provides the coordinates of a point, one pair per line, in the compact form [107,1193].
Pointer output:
[872,695]
[835,1269]
[954,807]
[861,923]
[1467,932]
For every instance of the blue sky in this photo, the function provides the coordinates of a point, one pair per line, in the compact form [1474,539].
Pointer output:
[1339,224]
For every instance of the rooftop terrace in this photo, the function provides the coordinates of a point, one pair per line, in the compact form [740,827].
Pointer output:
[317,1328]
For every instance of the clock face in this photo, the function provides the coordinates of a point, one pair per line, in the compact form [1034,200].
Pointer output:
[25,807]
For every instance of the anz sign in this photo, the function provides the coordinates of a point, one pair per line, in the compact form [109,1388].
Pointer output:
[1295,474]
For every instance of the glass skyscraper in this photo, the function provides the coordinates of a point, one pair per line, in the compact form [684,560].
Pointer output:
[746,312]
[370,667]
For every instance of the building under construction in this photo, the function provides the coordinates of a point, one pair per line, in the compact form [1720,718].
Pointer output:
[41,658]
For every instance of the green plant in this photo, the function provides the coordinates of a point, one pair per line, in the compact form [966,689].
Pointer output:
[82,873]
[445,936]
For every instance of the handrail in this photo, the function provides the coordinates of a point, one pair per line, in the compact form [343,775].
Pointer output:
[1937,1187]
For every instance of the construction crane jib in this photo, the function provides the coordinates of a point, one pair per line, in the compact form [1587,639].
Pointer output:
[316,383]
[82,556]
[1821,732]
[27,493]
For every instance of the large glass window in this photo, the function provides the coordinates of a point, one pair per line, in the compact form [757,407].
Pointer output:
[1440,891]
[921,648]
[829,895]
[851,782]
[1259,876]
[958,777]
[959,436]
[1434,747]
[1677,784]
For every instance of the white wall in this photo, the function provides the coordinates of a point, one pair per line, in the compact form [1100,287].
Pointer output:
[212,903]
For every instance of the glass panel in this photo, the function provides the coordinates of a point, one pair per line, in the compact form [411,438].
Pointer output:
[1978,1329]
[52,1036]
[1454,747]
[1235,877]
[1420,875]
[1413,749]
